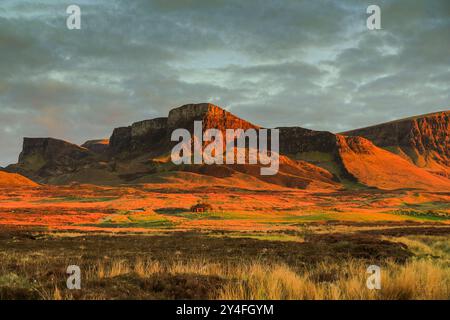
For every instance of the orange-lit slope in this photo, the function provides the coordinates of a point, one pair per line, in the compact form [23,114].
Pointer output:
[291,174]
[423,140]
[14,180]
[379,168]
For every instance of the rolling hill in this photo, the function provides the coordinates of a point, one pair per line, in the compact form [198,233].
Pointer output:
[15,180]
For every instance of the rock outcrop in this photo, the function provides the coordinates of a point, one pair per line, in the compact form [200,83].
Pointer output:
[153,136]
[42,150]
[43,157]
[211,115]
[294,140]
[139,137]
[120,140]
[99,146]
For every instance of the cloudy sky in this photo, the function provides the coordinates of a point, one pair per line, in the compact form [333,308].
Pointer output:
[276,63]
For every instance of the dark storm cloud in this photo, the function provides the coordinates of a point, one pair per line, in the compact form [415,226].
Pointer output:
[307,63]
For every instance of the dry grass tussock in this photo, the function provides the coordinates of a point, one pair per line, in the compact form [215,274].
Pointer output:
[38,276]
[417,279]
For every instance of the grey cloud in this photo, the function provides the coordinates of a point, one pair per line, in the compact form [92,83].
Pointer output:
[308,63]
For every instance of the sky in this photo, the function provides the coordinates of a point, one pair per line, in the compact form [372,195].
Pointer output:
[313,64]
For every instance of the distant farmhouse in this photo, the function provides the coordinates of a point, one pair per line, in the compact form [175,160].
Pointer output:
[201,207]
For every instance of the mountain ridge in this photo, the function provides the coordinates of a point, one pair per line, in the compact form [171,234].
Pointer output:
[309,157]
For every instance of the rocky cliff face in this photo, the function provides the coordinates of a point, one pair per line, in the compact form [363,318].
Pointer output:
[213,117]
[182,116]
[41,157]
[422,140]
[99,146]
[295,140]
[143,128]
[154,135]
[141,136]
[120,140]
[49,149]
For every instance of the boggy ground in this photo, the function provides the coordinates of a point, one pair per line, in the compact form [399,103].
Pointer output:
[142,242]
[226,265]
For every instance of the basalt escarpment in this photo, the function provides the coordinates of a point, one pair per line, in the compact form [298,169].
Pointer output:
[43,157]
[50,149]
[423,140]
[153,136]
[142,136]
[294,140]
[213,117]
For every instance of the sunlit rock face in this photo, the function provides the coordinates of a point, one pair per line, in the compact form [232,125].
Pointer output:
[423,140]
[154,134]
[212,116]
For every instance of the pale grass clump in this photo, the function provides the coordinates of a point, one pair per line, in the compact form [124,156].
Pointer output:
[418,279]
[414,280]
[262,282]
[423,246]
[57,294]
[198,267]
[117,268]
[53,293]
[416,245]
[147,268]
[277,282]
[101,271]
